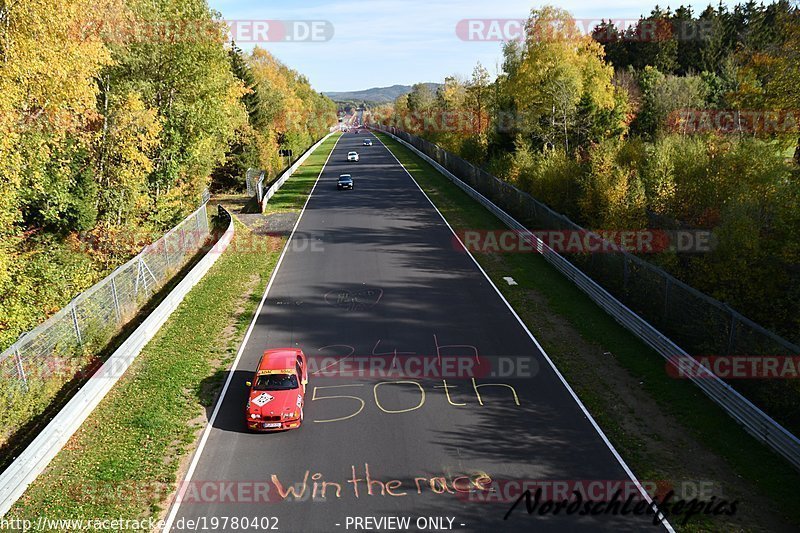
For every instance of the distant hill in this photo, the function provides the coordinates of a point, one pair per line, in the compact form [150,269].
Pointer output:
[376,95]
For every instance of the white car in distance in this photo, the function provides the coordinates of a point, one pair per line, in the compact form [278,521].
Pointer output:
[352,156]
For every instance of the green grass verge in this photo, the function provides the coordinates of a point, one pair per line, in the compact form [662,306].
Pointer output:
[771,476]
[123,461]
[294,192]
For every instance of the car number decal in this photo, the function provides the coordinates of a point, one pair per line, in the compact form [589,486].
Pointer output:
[262,399]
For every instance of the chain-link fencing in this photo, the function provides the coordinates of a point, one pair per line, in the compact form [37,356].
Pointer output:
[697,323]
[69,339]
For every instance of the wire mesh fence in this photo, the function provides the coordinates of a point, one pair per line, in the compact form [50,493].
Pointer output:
[698,323]
[647,298]
[694,320]
[64,343]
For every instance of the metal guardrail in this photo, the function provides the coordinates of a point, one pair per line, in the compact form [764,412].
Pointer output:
[754,420]
[46,351]
[31,462]
[278,183]
[696,321]
[255,178]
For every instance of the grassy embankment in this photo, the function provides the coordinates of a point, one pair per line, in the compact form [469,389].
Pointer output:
[570,326]
[124,460]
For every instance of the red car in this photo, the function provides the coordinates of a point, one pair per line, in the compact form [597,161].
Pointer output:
[278,390]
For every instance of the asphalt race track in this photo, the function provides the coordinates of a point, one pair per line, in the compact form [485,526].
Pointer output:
[376,273]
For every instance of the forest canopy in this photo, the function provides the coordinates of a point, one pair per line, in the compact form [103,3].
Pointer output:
[115,115]
[683,120]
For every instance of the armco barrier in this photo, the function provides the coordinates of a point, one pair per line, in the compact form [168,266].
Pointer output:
[31,462]
[278,183]
[100,311]
[754,420]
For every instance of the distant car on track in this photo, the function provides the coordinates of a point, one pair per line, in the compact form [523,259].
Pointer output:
[345,182]
[367,142]
[352,156]
[278,390]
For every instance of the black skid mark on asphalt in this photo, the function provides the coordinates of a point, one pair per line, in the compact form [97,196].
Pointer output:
[358,300]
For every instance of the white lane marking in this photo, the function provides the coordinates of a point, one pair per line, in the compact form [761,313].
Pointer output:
[510,280]
[597,428]
[196,459]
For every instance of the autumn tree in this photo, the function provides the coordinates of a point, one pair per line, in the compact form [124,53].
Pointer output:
[293,114]
[770,79]
[113,114]
[180,68]
[552,73]
[421,98]
[479,94]
[47,117]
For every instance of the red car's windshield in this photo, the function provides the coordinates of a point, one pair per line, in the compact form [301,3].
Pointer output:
[276,382]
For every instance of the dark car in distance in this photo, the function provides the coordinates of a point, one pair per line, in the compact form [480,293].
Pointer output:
[345,182]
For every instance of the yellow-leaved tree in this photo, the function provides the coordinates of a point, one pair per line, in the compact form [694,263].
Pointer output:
[557,80]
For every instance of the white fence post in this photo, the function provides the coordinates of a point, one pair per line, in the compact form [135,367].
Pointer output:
[260,187]
[138,275]
[74,313]
[20,367]
[755,421]
[19,475]
[65,330]
[141,275]
[115,296]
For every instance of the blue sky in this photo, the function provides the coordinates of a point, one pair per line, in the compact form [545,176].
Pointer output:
[384,42]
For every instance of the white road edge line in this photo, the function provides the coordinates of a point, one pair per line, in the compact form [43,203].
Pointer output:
[539,346]
[183,484]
